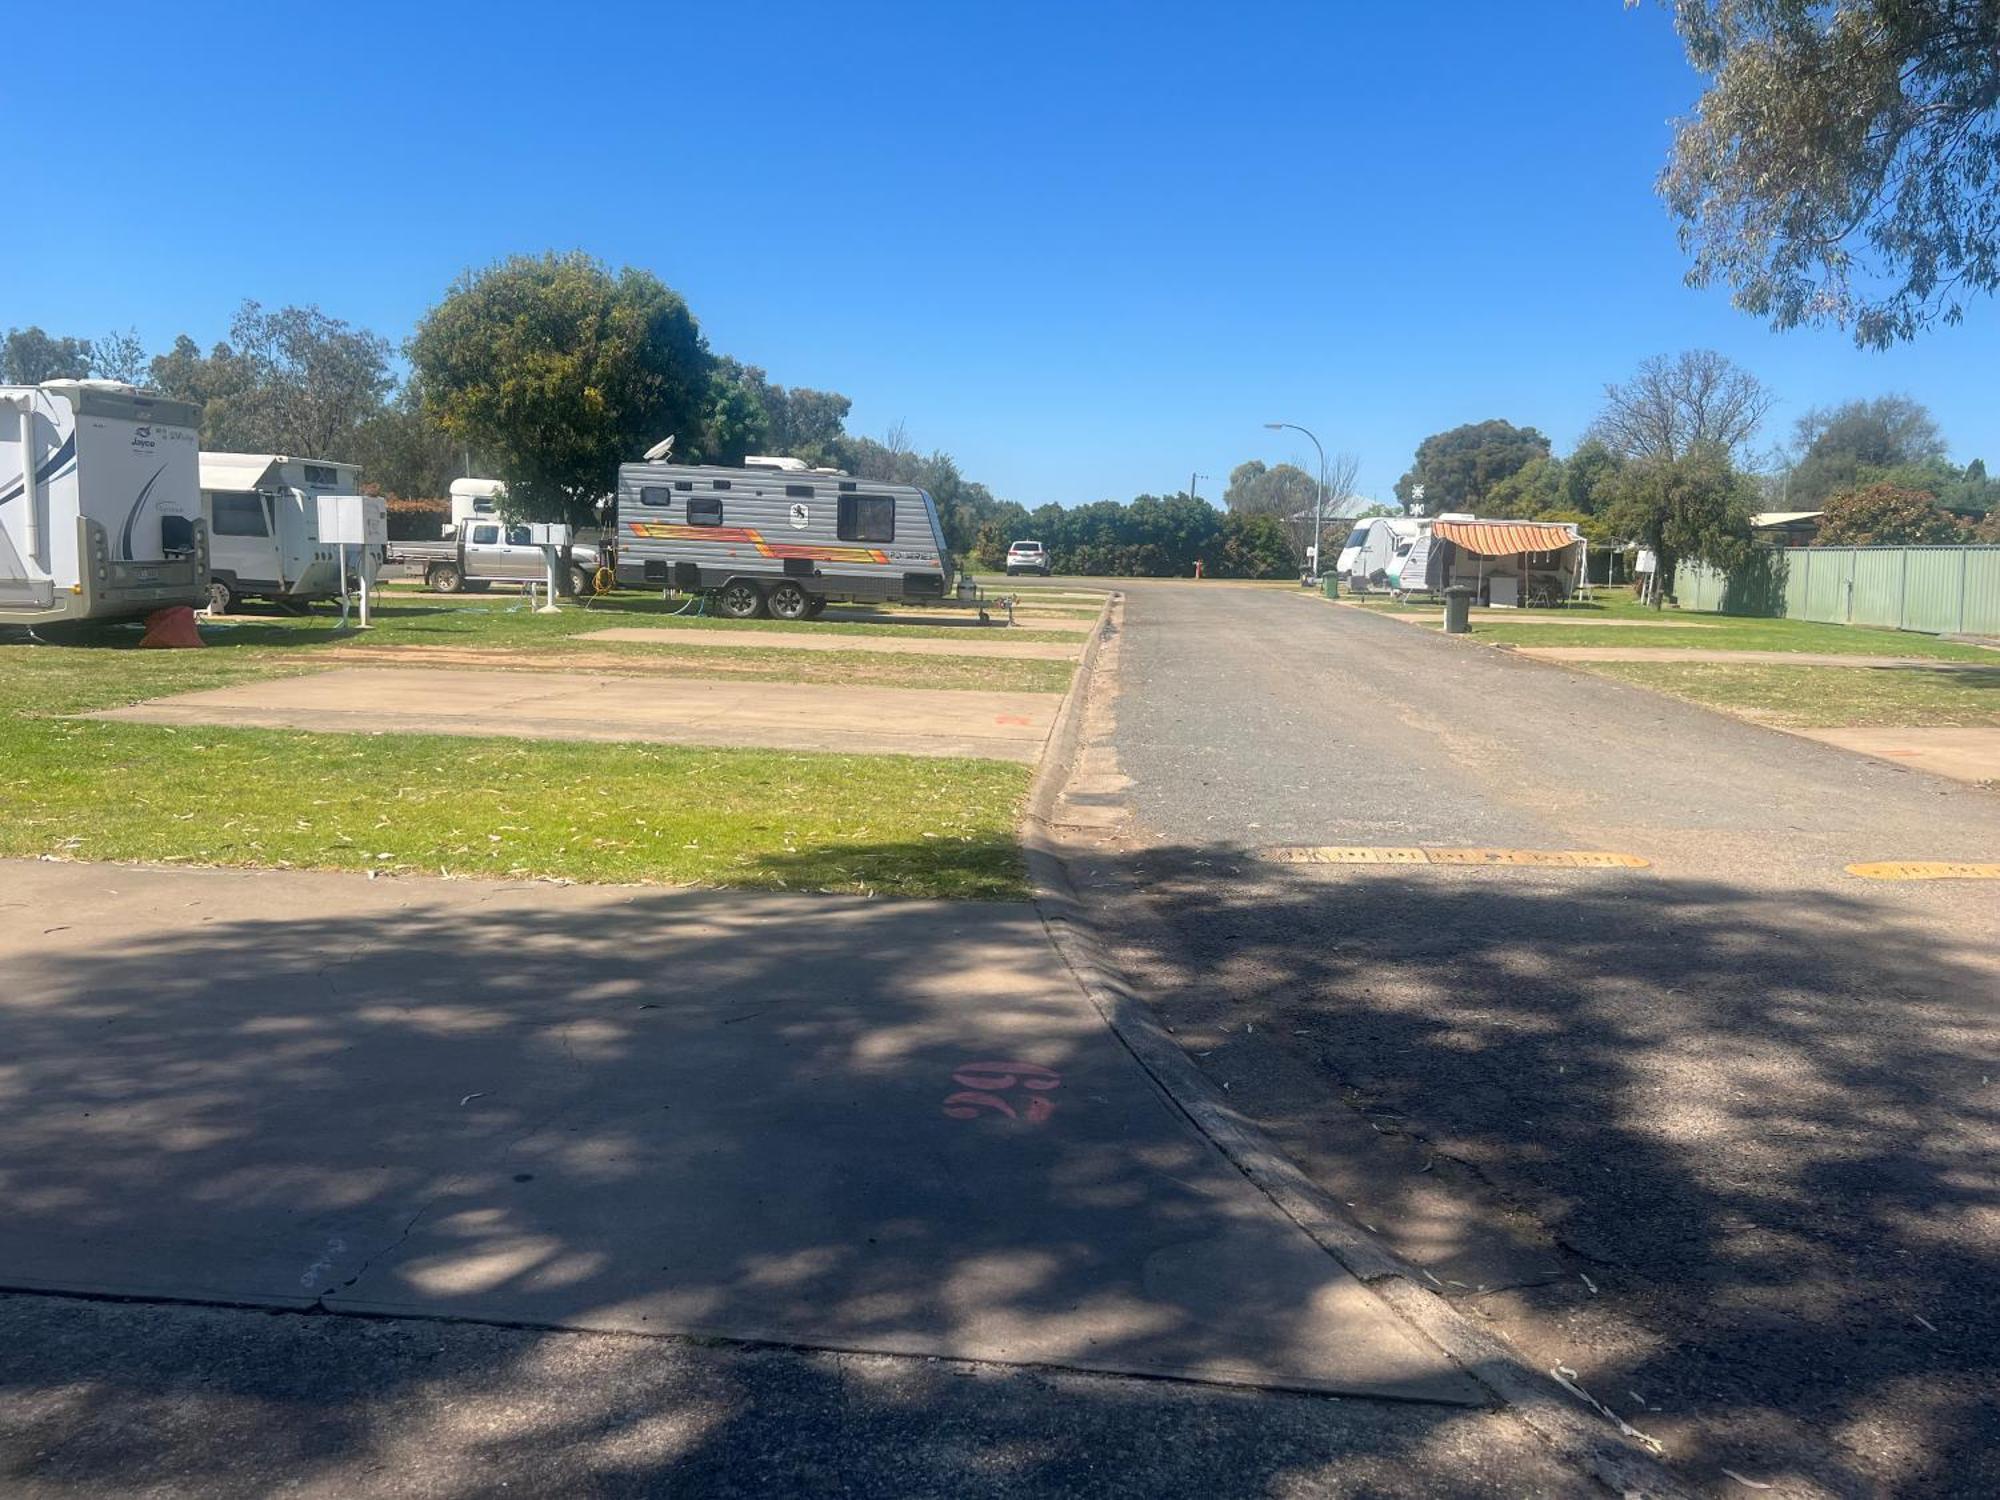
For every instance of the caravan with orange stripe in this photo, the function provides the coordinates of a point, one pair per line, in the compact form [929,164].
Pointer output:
[783,541]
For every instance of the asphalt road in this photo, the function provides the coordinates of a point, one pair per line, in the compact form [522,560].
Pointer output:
[1717,1133]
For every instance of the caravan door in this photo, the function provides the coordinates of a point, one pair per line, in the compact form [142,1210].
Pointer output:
[243,546]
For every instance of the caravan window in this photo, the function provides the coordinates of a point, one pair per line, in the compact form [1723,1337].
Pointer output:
[867,518]
[319,476]
[655,494]
[704,511]
[240,515]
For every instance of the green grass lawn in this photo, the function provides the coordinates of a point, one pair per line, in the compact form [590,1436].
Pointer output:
[1685,629]
[1825,697]
[1730,633]
[410,617]
[897,825]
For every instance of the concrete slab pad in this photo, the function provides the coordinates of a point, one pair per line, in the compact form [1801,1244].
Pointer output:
[835,1122]
[1748,658]
[599,706]
[799,640]
[1966,754]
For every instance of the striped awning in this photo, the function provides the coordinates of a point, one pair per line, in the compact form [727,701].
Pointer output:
[1505,538]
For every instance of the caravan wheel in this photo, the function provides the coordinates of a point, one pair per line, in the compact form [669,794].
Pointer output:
[739,599]
[219,597]
[815,606]
[789,602]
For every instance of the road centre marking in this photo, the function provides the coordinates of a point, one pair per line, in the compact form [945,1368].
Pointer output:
[1560,859]
[1925,869]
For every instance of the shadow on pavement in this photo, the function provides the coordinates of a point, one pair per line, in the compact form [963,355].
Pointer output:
[218,1404]
[1762,1121]
[608,1109]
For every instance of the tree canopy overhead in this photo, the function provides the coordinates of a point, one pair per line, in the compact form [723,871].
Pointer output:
[1675,404]
[1842,166]
[1842,447]
[28,356]
[562,369]
[290,380]
[1890,440]
[1459,468]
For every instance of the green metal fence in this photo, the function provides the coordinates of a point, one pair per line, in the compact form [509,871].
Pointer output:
[1941,590]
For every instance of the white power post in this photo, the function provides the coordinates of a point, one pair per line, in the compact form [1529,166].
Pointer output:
[551,537]
[353,521]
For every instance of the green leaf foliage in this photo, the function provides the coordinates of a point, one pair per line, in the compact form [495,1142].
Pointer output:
[561,370]
[28,356]
[1459,468]
[1694,507]
[1840,167]
[1885,515]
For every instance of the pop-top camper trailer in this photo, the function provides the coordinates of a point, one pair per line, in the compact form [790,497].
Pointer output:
[779,540]
[263,526]
[100,505]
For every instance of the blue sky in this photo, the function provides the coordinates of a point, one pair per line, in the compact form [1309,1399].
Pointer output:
[1087,248]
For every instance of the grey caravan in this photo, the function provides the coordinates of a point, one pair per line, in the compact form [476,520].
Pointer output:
[263,526]
[100,510]
[763,540]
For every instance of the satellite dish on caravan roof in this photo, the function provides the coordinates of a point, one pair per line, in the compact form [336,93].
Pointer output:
[661,452]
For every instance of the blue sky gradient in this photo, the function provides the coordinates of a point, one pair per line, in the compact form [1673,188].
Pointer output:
[1087,248]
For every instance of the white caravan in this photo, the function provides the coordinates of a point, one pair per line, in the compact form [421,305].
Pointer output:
[263,525]
[474,497]
[1375,549]
[100,504]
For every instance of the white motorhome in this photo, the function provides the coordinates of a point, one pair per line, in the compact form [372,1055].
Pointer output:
[1374,550]
[263,522]
[100,503]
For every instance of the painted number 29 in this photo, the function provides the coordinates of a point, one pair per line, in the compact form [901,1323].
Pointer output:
[981,1085]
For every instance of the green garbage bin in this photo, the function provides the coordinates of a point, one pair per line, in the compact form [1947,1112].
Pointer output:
[1331,583]
[1458,610]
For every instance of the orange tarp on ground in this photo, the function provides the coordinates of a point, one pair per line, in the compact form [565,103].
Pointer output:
[1504,538]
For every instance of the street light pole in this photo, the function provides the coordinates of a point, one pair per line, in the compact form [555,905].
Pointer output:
[1193,480]
[1319,501]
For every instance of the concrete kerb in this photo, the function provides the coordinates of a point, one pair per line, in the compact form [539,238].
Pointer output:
[1577,1437]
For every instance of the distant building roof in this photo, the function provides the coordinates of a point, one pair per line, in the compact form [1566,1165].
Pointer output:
[1784,517]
